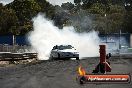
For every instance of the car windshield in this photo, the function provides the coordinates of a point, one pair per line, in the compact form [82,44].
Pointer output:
[61,47]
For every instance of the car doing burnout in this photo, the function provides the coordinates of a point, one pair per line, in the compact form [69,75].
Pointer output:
[64,52]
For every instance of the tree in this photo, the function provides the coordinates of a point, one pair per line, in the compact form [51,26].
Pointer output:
[98,8]
[8,19]
[127,24]
[25,9]
[67,6]
[47,8]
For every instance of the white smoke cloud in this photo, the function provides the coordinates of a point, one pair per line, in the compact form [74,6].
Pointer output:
[45,35]
[6,1]
[59,2]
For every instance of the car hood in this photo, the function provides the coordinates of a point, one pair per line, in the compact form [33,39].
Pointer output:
[68,50]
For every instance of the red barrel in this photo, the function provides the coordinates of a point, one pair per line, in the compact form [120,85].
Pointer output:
[102,53]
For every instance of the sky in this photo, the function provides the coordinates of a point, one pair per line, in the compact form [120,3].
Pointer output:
[53,2]
[59,2]
[6,1]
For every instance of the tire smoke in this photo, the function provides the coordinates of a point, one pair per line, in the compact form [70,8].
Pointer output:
[45,35]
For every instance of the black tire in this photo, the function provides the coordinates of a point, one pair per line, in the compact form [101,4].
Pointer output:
[110,55]
[51,58]
[95,71]
[58,56]
[82,80]
[102,68]
[77,58]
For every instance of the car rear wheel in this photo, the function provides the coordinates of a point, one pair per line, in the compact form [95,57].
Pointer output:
[51,58]
[58,56]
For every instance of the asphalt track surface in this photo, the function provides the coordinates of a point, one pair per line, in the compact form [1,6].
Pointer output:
[59,74]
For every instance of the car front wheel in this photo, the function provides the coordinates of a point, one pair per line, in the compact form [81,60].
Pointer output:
[77,58]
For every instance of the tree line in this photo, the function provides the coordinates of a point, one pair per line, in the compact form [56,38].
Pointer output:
[104,16]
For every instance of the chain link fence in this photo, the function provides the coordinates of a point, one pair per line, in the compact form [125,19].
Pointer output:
[15,48]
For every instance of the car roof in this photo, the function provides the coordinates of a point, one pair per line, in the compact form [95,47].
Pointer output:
[63,45]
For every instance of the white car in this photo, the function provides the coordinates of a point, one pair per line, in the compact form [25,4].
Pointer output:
[64,52]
